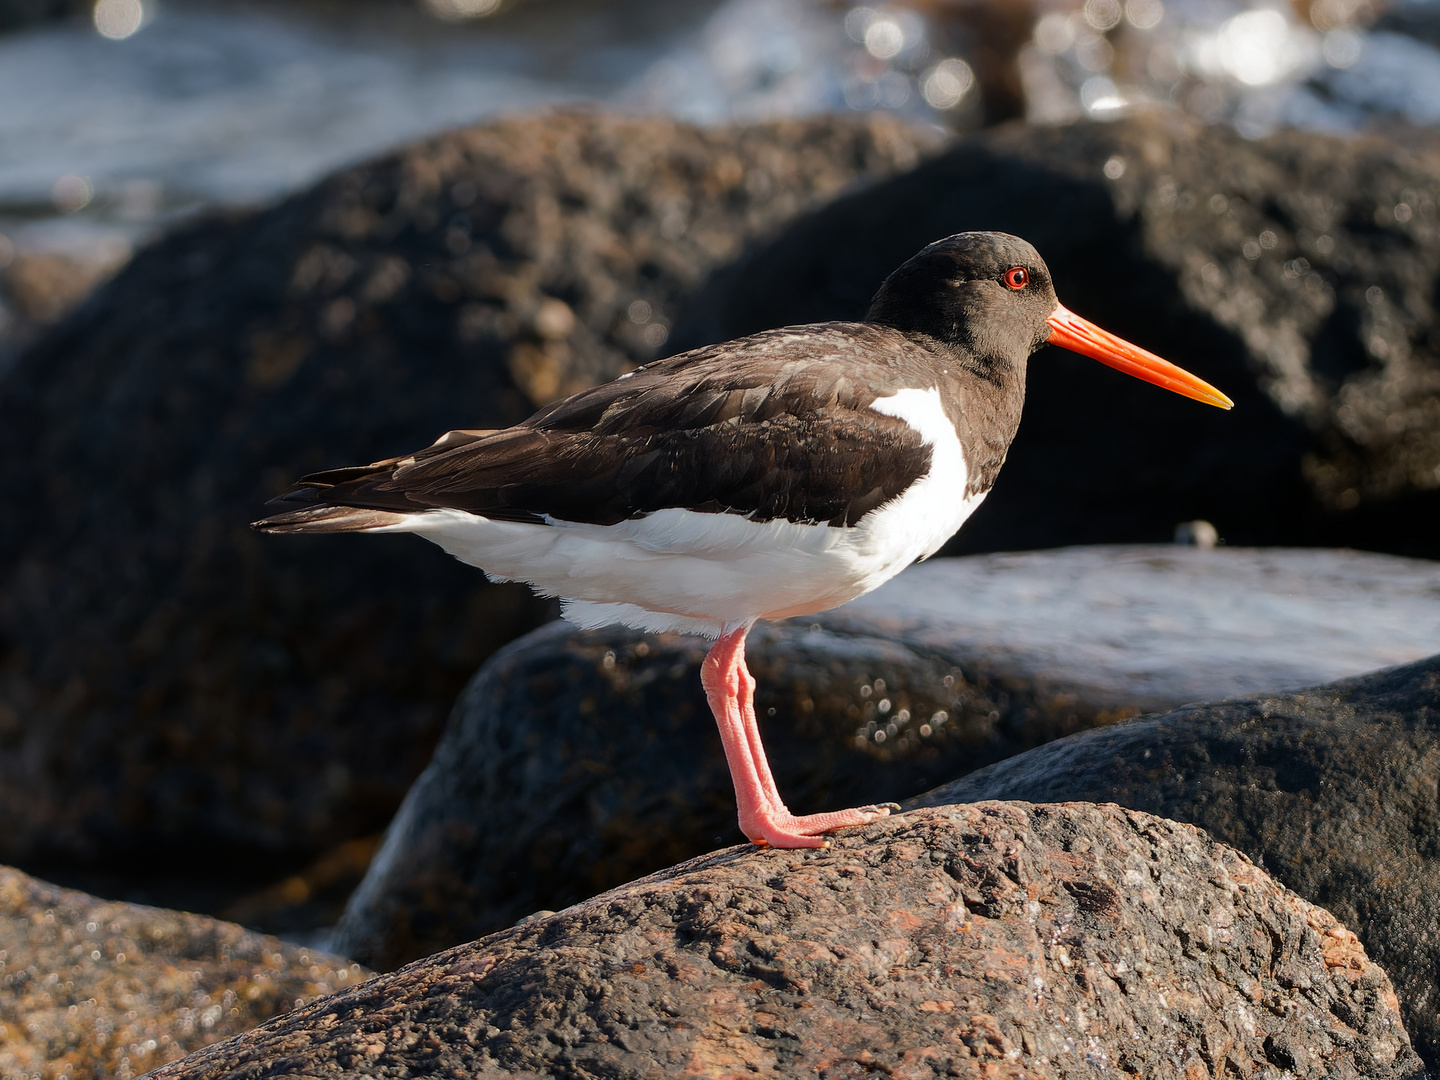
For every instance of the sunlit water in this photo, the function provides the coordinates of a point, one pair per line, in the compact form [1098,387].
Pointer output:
[113,126]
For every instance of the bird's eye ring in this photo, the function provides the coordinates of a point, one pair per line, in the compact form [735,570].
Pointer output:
[1017,277]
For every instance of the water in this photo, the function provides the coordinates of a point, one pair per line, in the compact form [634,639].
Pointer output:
[211,104]
[104,142]
[197,103]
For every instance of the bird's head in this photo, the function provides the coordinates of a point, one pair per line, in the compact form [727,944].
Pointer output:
[990,296]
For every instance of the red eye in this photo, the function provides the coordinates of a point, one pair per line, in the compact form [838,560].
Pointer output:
[1017,277]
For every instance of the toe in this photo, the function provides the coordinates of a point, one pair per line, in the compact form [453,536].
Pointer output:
[790,841]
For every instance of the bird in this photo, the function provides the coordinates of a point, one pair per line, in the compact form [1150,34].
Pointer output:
[772,476]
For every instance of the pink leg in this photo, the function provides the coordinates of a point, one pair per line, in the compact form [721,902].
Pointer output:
[763,816]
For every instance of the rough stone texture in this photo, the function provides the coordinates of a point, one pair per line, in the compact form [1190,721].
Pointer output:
[90,988]
[170,681]
[1333,790]
[577,761]
[1326,338]
[999,940]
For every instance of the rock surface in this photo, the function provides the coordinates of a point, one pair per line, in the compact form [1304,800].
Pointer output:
[1332,790]
[576,761]
[1297,272]
[170,680]
[1152,626]
[90,988]
[995,940]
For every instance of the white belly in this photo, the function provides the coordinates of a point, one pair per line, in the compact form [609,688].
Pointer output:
[696,572]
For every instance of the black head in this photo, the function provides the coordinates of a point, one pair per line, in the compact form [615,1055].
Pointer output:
[988,297]
[988,293]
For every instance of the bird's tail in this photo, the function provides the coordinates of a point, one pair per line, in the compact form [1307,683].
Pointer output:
[320,516]
[329,519]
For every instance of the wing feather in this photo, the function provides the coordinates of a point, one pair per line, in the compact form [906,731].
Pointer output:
[771,426]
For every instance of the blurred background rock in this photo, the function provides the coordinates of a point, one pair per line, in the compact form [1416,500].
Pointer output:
[134,118]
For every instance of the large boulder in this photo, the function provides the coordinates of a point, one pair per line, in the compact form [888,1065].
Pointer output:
[576,761]
[93,989]
[1332,790]
[1002,939]
[170,681]
[1297,272]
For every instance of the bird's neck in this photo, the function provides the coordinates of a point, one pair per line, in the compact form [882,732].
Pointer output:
[983,397]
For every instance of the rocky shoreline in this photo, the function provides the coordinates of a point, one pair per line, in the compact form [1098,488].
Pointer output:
[576,761]
[176,693]
[996,939]
[92,987]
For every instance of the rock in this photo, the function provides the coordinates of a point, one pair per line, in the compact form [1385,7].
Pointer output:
[170,681]
[1003,939]
[91,988]
[17,13]
[576,761]
[310,902]
[42,286]
[1331,789]
[1148,627]
[1297,272]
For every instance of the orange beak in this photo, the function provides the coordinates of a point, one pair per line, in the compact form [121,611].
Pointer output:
[1070,331]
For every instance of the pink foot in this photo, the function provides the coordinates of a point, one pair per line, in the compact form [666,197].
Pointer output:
[763,816]
[783,829]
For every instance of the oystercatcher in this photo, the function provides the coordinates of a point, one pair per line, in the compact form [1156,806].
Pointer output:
[776,475]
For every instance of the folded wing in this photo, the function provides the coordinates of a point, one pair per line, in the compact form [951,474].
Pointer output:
[757,428]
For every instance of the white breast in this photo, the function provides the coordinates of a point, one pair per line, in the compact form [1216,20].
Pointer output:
[694,572]
[933,508]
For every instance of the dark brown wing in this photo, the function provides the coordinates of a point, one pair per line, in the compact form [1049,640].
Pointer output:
[774,426]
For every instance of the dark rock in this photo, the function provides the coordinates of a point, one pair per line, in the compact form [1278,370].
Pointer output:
[40,287]
[17,13]
[1333,790]
[310,901]
[992,940]
[96,989]
[171,681]
[576,761]
[1297,272]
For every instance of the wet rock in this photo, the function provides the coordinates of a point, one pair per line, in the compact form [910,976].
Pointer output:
[1298,272]
[91,988]
[1154,626]
[991,940]
[579,760]
[1332,790]
[168,680]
